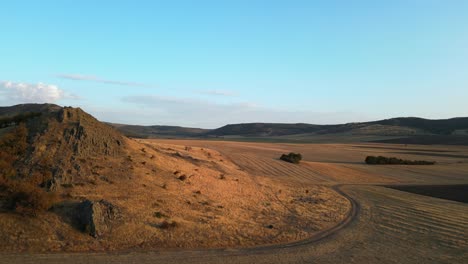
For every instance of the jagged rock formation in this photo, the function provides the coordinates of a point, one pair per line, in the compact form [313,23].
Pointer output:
[71,146]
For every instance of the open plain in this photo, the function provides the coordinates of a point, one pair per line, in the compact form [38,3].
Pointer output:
[382,225]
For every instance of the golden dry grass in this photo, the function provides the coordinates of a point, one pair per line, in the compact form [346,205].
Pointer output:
[257,190]
[218,204]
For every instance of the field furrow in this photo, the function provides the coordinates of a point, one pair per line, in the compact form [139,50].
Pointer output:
[274,168]
[434,222]
[442,214]
[454,235]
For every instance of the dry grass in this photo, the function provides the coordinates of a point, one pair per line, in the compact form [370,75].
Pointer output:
[203,210]
[258,200]
[261,200]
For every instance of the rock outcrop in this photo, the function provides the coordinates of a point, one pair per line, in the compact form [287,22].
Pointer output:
[96,217]
[70,145]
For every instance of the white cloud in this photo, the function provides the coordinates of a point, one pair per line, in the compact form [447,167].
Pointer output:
[31,93]
[92,78]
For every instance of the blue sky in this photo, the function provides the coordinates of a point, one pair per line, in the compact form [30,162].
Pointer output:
[209,63]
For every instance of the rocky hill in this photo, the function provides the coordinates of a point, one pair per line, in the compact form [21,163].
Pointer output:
[65,143]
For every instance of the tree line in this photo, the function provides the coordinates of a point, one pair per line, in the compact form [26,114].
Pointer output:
[380,160]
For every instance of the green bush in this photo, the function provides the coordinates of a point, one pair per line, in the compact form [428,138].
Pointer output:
[291,157]
[380,160]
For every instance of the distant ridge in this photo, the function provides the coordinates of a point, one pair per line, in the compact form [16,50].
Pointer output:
[402,126]
[401,130]
[156,131]
[413,129]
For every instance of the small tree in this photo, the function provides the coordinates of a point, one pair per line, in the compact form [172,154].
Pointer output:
[291,157]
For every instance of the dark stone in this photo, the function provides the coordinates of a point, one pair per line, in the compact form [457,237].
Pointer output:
[96,218]
[51,185]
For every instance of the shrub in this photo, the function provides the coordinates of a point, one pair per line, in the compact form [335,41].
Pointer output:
[15,142]
[29,199]
[159,215]
[22,193]
[380,160]
[25,196]
[291,157]
[167,224]
[12,146]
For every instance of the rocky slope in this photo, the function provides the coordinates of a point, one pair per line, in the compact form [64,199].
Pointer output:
[69,144]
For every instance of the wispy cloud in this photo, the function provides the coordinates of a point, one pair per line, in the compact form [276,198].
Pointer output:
[208,114]
[91,78]
[218,92]
[31,93]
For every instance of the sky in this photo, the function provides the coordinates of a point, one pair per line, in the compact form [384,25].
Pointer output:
[210,63]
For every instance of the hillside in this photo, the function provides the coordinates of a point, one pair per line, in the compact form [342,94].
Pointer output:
[80,185]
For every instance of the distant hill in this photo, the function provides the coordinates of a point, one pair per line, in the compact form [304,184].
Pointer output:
[396,127]
[410,126]
[264,129]
[159,131]
[437,127]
